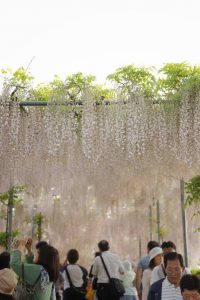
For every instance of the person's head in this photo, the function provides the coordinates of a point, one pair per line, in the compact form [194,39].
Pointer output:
[155,255]
[127,265]
[72,256]
[168,247]
[41,244]
[48,257]
[103,245]
[190,287]
[4,260]
[8,282]
[173,263]
[98,253]
[151,245]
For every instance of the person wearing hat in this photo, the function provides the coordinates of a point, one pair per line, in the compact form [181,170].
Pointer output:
[155,255]
[128,278]
[8,279]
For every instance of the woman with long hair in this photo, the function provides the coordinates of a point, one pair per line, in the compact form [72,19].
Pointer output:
[42,269]
[155,255]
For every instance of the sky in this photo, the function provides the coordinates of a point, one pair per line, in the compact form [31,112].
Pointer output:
[96,36]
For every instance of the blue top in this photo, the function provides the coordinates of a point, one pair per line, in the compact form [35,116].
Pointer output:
[144,262]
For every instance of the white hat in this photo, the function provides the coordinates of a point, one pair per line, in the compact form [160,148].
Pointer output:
[155,251]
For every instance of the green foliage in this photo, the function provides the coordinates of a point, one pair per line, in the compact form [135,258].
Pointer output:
[176,78]
[76,84]
[17,84]
[43,92]
[163,231]
[196,272]
[12,196]
[131,80]
[4,237]
[168,83]
[38,219]
[101,93]
[192,189]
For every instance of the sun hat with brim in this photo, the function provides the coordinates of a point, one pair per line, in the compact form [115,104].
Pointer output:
[154,252]
[8,281]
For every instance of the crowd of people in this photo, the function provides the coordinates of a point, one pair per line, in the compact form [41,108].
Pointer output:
[37,274]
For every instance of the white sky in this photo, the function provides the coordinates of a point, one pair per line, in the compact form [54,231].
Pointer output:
[97,36]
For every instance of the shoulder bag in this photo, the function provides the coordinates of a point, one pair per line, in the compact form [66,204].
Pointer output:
[117,289]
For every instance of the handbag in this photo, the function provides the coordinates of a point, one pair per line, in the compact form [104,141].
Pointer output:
[24,290]
[117,289]
[90,293]
[73,289]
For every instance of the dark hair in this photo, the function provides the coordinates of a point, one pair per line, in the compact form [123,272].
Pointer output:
[190,282]
[49,259]
[152,264]
[6,297]
[173,256]
[152,244]
[103,245]
[41,244]
[168,244]
[72,256]
[98,253]
[4,260]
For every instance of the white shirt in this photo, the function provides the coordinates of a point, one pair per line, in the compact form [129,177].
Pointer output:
[157,274]
[75,274]
[113,265]
[128,278]
[170,292]
[146,277]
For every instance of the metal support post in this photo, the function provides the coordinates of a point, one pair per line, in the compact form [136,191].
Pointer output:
[158,219]
[150,223]
[184,223]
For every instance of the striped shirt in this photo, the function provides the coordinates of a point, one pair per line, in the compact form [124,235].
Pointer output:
[170,292]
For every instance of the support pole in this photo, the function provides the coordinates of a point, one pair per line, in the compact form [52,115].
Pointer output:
[33,221]
[158,219]
[9,220]
[140,248]
[150,223]
[184,223]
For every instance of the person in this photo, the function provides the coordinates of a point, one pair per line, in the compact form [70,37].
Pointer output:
[93,280]
[45,264]
[74,273]
[8,279]
[190,287]
[114,266]
[128,278]
[169,287]
[155,260]
[59,286]
[159,271]
[143,265]
[30,255]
